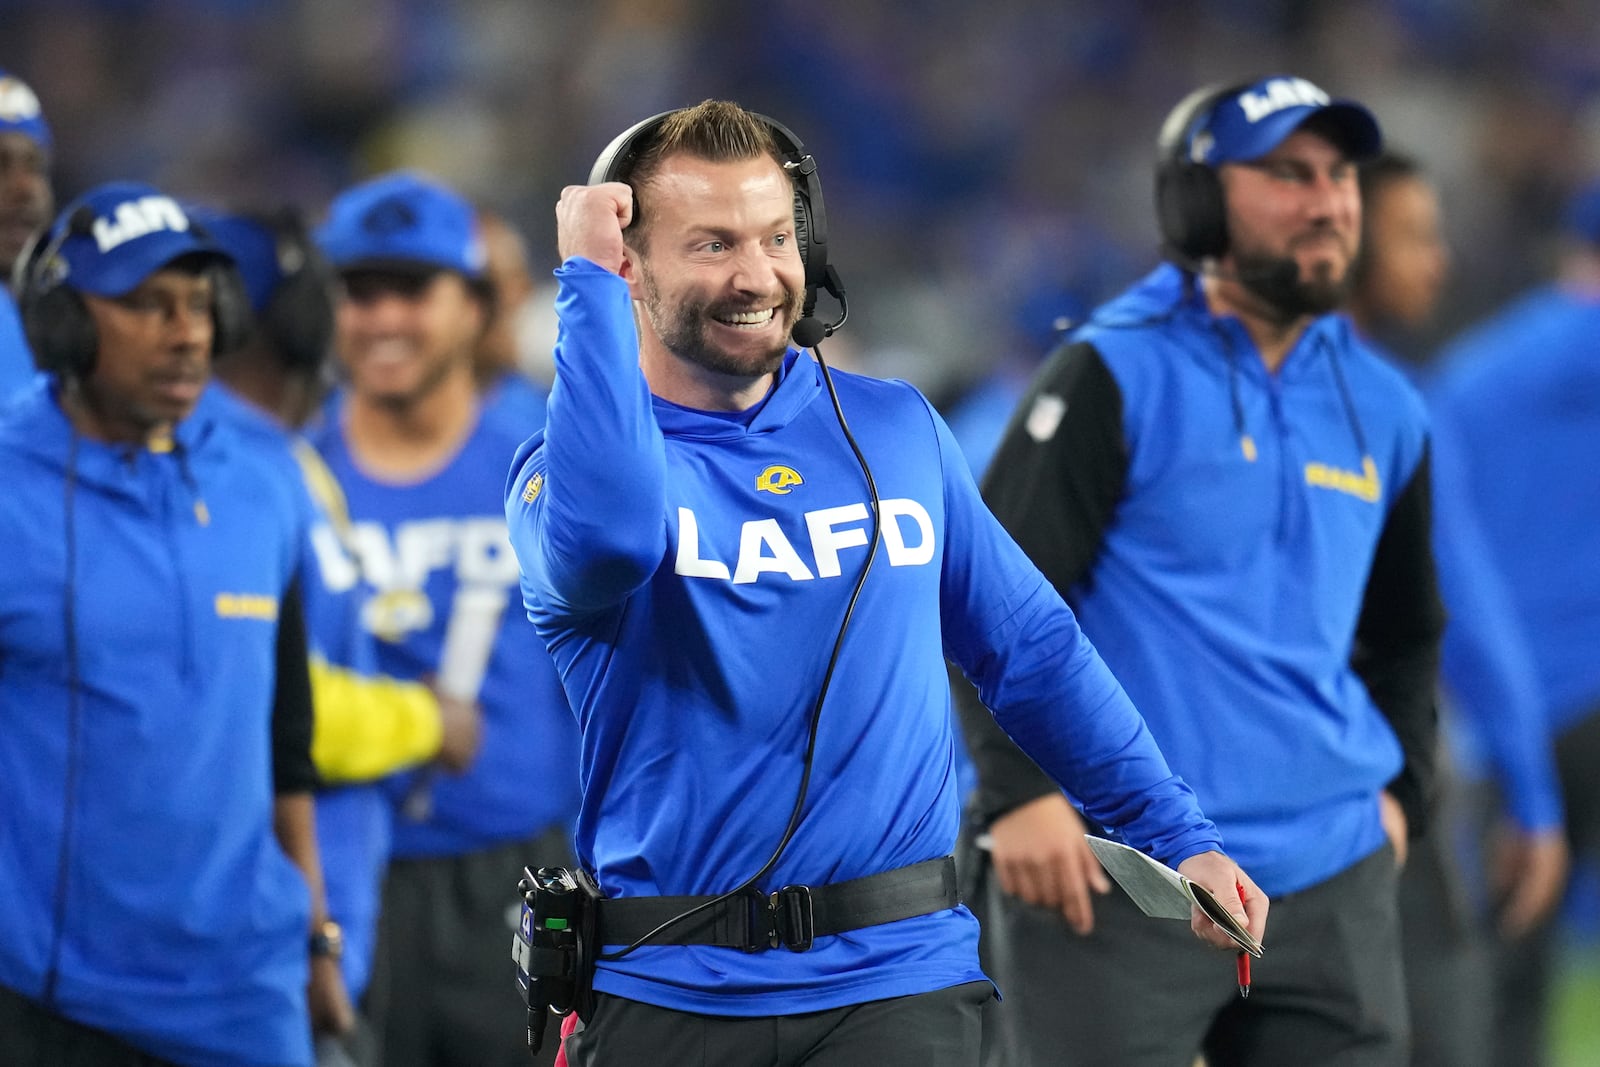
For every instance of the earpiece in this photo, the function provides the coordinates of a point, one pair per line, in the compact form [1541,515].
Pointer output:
[617,161]
[54,318]
[1190,207]
[299,315]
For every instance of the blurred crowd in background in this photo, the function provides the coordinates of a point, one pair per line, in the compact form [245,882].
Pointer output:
[987,166]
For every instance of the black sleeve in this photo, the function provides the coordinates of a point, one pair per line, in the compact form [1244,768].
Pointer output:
[1396,650]
[292,769]
[1054,484]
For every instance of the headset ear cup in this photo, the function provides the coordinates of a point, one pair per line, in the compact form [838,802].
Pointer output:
[1190,207]
[59,329]
[299,318]
[1192,211]
[232,322]
[802,229]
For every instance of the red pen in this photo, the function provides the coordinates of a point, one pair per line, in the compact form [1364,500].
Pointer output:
[1242,961]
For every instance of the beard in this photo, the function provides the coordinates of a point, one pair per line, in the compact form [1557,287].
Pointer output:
[1277,282]
[683,329]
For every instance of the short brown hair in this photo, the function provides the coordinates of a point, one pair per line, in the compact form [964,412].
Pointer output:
[717,131]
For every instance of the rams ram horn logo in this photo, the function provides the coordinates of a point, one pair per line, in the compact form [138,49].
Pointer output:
[778,479]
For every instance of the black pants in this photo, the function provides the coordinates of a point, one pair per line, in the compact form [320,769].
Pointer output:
[33,1037]
[1447,944]
[444,989]
[938,1029]
[1143,992]
[1525,971]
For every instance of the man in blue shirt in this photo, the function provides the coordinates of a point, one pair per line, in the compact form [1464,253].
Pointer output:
[26,203]
[1520,394]
[1233,495]
[157,853]
[421,459]
[752,631]
[1500,763]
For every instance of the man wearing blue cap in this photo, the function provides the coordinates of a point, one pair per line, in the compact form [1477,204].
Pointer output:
[26,202]
[155,720]
[421,460]
[1520,394]
[368,725]
[1232,493]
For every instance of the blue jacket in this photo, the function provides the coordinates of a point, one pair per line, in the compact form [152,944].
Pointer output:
[1217,529]
[689,572]
[16,360]
[1487,665]
[145,893]
[1521,395]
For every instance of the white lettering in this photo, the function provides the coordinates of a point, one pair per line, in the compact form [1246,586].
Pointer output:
[135,218]
[1278,94]
[338,571]
[422,548]
[484,555]
[689,563]
[826,542]
[477,549]
[901,554]
[753,561]
[370,542]
[763,546]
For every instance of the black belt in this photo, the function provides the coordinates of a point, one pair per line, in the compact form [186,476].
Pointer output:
[792,917]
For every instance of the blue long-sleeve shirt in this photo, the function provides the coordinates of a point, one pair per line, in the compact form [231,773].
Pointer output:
[1520,394]
[689,571]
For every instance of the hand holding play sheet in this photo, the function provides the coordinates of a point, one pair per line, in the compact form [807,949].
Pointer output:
[1162,892]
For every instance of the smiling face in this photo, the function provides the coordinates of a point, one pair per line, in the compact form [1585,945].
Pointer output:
[399,335]
[1298,206]
[153,357]
[717,272]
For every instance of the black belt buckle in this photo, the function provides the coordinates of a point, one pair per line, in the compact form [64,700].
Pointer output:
[793,918]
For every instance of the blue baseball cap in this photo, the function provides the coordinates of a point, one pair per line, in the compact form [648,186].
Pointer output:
[116,235]
[1248,123]
[251,245]
[20,111]
[403,222]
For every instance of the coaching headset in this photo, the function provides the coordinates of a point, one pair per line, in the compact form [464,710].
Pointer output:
[617,162]
[1190,207]
[57,323]
[288,283]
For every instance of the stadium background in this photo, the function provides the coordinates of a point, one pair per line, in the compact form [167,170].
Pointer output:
[987,165]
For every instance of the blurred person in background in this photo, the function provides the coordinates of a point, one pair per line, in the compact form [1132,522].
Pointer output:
[1232,493]
[367,725]
[421,459]
[26,204]
[164,897]
[497,364]
[1520,394]
[1501,743]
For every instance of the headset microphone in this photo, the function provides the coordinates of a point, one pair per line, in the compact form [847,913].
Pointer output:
[809,331]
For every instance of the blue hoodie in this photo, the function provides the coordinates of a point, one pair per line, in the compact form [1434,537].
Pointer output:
[145,892]
[1227,577]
